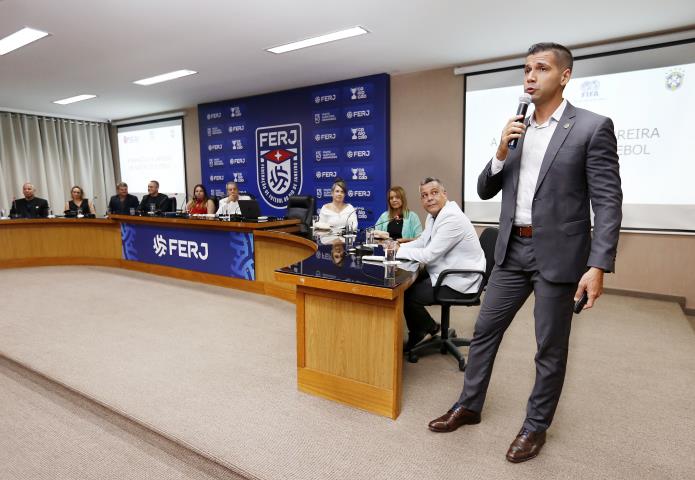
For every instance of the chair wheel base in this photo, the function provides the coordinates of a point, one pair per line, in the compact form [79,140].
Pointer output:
[462,364]
[412,358]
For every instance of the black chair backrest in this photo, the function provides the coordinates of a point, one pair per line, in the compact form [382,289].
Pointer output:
[170,205]
[488,239]
[301,207]
[216,201]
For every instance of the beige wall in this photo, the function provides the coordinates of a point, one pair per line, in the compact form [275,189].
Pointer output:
[426,140]
[426,132]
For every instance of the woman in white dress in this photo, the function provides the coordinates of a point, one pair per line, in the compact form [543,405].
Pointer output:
[339,214]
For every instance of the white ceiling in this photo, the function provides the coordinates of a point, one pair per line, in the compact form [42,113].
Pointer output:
[101,47]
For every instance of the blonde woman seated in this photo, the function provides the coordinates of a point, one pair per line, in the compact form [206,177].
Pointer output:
[401,223]
[78,204]
[200,203]
[338,214]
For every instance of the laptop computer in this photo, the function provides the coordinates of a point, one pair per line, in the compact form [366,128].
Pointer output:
[250,209]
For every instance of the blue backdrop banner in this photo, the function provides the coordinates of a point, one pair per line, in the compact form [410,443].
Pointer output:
[209,251]
[299,141]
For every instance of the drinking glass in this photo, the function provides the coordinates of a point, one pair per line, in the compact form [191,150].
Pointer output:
[389,252]
[369,236]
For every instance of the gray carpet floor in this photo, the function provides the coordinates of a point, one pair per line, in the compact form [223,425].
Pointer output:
[49,433]
[215,370]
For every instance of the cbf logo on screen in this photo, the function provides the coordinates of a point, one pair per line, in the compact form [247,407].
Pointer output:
[279,163]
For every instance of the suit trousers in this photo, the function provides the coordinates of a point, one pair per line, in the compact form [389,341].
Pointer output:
[508,288]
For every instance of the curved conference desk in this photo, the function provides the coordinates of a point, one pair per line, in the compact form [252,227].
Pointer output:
[189,249]
[349,313]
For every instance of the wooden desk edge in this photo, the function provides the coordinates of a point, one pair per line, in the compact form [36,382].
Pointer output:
[345,287]
[208,224]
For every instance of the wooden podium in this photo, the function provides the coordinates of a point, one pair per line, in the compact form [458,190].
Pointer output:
[349,332]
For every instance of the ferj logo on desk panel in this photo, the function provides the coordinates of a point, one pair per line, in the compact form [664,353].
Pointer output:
[279,163]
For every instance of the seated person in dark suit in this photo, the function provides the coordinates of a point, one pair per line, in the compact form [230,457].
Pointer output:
[78,204]
[153,197]
[122,202]
[29,206]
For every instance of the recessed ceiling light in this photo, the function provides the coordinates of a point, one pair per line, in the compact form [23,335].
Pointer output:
[165,77]
[20,38]
[310,42]
[77,98]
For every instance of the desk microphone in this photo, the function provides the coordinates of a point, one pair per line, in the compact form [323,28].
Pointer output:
[524,102]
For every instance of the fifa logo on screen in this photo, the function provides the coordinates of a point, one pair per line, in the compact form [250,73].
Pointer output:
[215,146]
[590,88]
[179,248]
[213,116]
[217,178]
[279,163]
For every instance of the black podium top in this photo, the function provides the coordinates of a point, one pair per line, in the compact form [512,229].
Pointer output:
[333,261]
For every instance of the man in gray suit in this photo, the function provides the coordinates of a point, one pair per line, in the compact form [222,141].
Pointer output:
[566,161]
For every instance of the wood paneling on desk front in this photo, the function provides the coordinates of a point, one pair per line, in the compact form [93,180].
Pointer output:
[63,241]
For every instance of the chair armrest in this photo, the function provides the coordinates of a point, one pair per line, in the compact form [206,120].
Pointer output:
[452,271]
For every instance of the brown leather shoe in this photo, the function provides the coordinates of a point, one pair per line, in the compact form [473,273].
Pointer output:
[453,419]
[525,446]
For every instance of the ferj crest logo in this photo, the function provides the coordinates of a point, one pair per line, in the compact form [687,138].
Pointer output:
[279,163]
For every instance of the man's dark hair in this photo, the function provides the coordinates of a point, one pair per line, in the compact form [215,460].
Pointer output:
[562,54]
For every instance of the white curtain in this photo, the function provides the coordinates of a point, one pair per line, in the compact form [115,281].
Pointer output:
[54,154]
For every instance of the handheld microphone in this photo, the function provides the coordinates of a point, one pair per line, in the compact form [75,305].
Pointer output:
[524,102]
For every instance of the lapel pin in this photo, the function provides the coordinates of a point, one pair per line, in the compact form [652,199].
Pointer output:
[566,125]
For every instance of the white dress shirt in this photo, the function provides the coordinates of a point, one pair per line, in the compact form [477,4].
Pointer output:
[346,217]
[536,141]
[228,207]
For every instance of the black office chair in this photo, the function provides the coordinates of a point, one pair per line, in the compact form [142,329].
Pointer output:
[302,208]
[447,342]
[216,201]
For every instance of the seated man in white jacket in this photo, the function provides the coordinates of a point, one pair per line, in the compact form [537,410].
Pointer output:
[448,241]
[229,205]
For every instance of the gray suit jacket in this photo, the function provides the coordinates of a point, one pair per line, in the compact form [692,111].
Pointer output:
[579,166]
